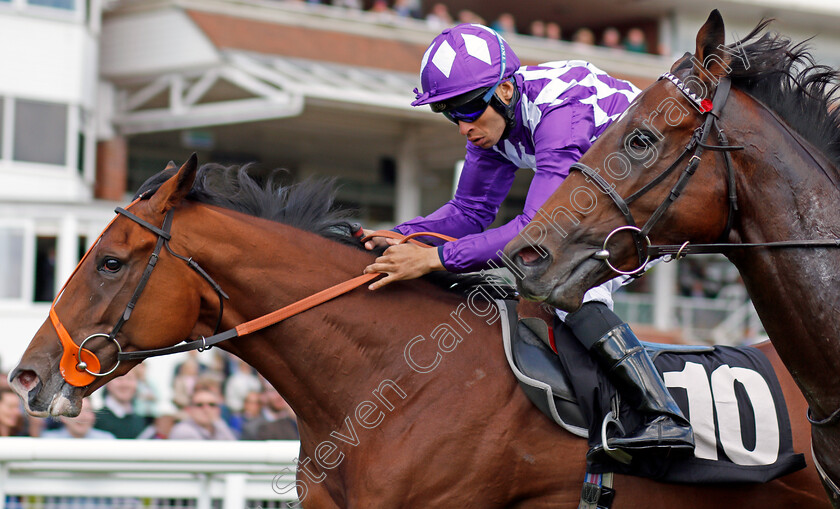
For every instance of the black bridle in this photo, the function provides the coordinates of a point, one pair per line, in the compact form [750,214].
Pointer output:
[696,145]
[163,238]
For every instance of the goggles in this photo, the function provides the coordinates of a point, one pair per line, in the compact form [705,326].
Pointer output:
[470,110]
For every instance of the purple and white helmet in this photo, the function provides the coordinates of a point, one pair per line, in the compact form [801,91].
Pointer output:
[462,59]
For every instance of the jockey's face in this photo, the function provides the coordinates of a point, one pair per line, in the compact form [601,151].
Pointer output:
[487,130]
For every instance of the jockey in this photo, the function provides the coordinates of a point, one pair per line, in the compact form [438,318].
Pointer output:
[544,118]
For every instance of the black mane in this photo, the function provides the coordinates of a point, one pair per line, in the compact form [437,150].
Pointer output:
[308,205]
[784,76]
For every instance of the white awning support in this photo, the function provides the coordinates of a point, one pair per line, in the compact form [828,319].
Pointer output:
[266,87]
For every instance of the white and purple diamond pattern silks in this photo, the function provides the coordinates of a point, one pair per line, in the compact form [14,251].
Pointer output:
[563,76]
[444,58]
[477,47]
[563,107]
[462,59]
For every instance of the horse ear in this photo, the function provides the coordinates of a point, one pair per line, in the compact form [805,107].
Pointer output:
[710,48]
[176,188]
[170,166]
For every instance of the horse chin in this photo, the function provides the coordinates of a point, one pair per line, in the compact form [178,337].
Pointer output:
[52,398]
[569,288]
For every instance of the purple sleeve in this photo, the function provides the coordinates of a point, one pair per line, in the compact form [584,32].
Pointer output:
[485,181]
[560,139]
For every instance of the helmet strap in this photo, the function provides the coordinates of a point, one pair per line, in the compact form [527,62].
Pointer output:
[507,111]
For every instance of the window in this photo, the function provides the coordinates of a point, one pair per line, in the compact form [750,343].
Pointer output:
[40,132]
[45,250]
[11,263]
[58,4]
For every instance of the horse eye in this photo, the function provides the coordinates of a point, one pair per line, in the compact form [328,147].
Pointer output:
[111,265]
[641,140]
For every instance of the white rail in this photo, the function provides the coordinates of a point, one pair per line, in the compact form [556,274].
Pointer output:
[146,473]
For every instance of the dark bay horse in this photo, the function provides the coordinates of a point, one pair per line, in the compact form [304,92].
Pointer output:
[403,395]
[764,162]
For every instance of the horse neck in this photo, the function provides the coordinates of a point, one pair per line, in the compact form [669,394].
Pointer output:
[328,359]
[788,192]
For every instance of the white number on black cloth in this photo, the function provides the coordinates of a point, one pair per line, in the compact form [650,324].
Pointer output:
[702,407]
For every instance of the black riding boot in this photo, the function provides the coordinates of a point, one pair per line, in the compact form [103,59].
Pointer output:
[630,369]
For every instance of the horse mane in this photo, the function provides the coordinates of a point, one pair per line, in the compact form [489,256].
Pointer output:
[784,76]
[307,205]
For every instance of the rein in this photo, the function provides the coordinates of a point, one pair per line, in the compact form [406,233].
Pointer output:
[79,366]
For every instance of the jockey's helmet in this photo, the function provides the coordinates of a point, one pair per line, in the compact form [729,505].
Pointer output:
[461,70]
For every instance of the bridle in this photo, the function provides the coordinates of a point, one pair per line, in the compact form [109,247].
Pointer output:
[79,366]
[696,145]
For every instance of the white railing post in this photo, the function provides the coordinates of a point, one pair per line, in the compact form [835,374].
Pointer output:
[4,478]
[234,491]
[204,501]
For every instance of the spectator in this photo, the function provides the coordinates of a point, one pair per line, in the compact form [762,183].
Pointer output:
[380,7]
[238,385]
[407,9]
[183,385]
[552,31]
[160,429]
[349,4]
[146,400]
[584,36]
[467,16]
[278,421]
[117,415]
[537,28]
[81,426]
[11,418]
[203,421]
[252,408]
[611,38]
[439,17]
[504,24]
[635,41]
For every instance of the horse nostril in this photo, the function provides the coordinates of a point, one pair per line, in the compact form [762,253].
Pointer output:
[529,255]
[27,379]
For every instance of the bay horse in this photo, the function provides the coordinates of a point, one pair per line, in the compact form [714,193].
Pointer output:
[736,150]
[403,395]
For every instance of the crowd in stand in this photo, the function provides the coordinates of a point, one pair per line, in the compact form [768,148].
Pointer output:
[439,17]
[229,401]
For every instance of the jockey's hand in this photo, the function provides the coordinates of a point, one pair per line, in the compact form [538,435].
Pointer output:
[404,261]
[378,241]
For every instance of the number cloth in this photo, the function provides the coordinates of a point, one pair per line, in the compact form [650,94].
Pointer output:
[732,398]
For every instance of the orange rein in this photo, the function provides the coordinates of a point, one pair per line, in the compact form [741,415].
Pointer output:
[76,362]
[333,291]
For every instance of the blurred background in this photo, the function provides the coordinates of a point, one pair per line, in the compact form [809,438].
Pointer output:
[98,95]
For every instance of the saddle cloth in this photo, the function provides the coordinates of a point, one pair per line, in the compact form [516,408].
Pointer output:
[731,396]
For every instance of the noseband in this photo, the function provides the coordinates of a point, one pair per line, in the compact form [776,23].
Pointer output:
[79,366]
[695,146]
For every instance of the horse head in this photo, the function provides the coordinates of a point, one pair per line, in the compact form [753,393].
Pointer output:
[94,317]
[588,221]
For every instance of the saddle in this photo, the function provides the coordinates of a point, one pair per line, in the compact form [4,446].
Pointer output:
[570,389]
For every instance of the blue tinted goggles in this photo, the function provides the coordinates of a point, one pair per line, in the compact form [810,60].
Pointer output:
[471,110]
